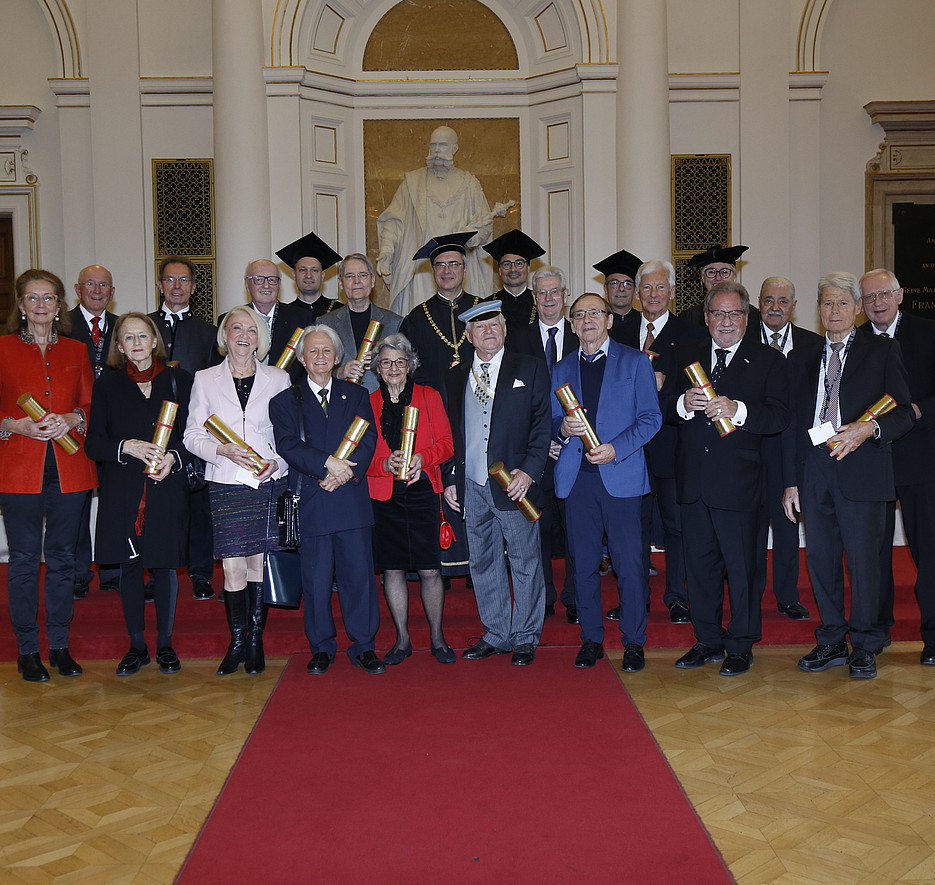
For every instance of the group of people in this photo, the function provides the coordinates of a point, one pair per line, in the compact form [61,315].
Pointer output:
[693,432]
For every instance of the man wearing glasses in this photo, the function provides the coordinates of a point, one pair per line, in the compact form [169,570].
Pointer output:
[716,265]
[355,276]
[718,477]
[263,281]
[93,324]
[619,272]
[513,252]
[913,465]
[603,488]
[309,257]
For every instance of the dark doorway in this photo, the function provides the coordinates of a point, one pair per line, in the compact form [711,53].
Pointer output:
[6,267]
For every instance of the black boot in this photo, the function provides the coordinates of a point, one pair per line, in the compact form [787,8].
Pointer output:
[256,613]
[235,604]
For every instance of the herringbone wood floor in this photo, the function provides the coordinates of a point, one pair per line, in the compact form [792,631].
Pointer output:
[799,778]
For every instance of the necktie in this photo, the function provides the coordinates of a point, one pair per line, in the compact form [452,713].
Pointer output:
[884,335]
[481,388]
[829,409]
[774,341]
[96,334]
[323,393]
[650,336]
[173,319]
[719,366]
[551,351]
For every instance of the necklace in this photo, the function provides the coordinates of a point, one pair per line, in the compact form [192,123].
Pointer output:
[455,346]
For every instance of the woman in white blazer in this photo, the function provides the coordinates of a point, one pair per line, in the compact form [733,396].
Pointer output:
[243,500]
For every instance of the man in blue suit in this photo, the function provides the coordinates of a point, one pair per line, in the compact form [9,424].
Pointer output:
[603,488]
[335,515]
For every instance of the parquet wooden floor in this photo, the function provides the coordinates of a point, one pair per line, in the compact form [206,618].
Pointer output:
[800,778]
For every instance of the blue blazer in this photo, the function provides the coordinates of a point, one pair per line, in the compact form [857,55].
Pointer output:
[628,416]
[348,506]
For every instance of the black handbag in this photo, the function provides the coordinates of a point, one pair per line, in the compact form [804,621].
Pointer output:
[283,584]
[195,468]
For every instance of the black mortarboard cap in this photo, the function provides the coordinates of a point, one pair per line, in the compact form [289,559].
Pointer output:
[620,262]
[514,242]
[445,243]
[717,254]
[309,246]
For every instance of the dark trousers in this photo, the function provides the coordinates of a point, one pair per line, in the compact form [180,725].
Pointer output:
[165,596]
[835,527]
[348,556]
[785,540]
[720,540]
[22,519]
[200,536]
[666,503]
[917,503]
[591,511]
[553,513]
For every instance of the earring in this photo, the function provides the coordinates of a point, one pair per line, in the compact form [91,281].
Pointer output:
[22,316]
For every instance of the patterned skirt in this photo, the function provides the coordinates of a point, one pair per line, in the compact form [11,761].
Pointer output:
[244,519]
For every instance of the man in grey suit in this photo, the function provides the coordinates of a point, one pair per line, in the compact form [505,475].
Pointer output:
[355,274]
[190,341]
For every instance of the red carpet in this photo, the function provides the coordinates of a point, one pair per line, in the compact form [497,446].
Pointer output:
[98,631]
[476,772]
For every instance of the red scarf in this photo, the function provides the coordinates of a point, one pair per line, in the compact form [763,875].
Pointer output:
[138,377]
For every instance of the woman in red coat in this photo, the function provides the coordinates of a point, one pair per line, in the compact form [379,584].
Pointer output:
[406,510]
[39,479]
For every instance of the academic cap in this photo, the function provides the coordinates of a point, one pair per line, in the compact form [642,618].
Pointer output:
[309,246]
[514,242]
[717,255]
[483,310]
[620,262]
[445,243]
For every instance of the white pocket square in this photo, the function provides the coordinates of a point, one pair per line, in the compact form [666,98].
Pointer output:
[518,382]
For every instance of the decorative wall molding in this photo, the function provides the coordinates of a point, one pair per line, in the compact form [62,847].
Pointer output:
[17,120]
[66,37]
[811,24]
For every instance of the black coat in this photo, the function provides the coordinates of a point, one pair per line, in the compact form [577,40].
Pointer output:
[194,344]
[119,411]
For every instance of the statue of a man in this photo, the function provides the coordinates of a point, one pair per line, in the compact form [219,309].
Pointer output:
[435,200]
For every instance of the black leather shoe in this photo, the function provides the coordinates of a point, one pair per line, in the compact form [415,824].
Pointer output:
[112,585]
[482,649]
[524,655]
[550,611]
[202,589]
[821,657]
[928,655]
[796,611]
[613,614]
[862,664]
[397,655]
[133,660]
[589,654]
[571,614]
[699,655]
[443,654]
[168,660]
[678,613]
[369,663]
[633,660]
[737,663]
[61,659]
[80,590]
[319,663]
[32,668]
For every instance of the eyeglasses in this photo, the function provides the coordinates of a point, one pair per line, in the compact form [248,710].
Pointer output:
[661,288]
[259,281]
[35,299]
[620,284]
[723,273]
[732,315]
[173,280]
[882,295]
[518,263]
[595,313]
[400,363]
[363,275]
[548,293]
[452,264]
[96,284]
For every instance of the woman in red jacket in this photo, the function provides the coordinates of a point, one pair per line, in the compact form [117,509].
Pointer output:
[39,479]
[406,510]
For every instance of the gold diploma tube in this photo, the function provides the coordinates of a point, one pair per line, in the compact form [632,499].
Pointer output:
[407,438]
[524,505]
[699,378]
[223,434]
[32,407]
[568,399]
[164,424]
[355,433]
[287,357]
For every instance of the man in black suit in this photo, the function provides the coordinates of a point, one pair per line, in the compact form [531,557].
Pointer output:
[718,476]
[660,334]
[619,272]
[549,339]
[191,342]
[513,253]
[499,408]
[777,302]
[335,514]
[913,464]
[309,257]
[93,323]
[842,493]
